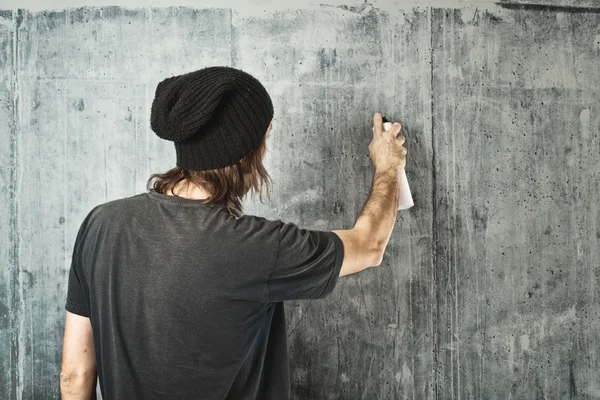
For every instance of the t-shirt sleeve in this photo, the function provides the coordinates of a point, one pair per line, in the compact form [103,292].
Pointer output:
[306,265]
[76,300]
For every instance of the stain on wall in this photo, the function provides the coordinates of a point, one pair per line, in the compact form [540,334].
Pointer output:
[489,285]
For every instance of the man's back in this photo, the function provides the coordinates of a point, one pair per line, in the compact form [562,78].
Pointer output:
[186,301]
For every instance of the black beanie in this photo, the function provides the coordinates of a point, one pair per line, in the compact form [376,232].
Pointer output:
[215,116]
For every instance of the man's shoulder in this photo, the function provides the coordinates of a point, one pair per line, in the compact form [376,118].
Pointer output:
[256,223]
[113,209]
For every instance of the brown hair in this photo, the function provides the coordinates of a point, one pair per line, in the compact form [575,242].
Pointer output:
[226,185]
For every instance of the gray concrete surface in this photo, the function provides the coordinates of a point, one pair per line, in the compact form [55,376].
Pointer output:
[489,288]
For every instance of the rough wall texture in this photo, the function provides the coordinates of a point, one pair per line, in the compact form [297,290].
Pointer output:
[490,285]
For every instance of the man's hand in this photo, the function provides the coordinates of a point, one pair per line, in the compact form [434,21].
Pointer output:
[386,150]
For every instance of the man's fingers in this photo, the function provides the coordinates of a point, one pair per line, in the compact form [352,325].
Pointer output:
[377,123]
[395,129]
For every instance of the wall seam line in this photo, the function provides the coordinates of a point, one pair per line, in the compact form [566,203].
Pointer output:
[435,335]
[15,376]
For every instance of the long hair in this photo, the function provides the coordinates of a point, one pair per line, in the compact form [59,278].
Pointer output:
[227,185]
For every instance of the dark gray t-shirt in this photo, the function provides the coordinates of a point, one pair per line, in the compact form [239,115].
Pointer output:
[186,301]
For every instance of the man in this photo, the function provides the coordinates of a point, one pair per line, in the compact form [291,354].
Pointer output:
[172,293]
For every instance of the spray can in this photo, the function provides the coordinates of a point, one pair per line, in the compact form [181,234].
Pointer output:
[405,199]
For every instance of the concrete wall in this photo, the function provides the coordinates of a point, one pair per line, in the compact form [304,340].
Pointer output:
[490,285]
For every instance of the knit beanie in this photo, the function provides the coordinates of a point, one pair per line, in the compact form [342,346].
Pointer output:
[215,116]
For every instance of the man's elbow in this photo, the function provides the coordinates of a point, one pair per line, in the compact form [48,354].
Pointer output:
[77,384]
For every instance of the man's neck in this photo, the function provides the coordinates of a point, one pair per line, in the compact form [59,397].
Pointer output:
[191,192]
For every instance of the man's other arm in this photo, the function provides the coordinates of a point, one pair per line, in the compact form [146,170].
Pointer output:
[78,372]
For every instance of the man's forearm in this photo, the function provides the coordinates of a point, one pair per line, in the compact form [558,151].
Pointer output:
[378,216]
